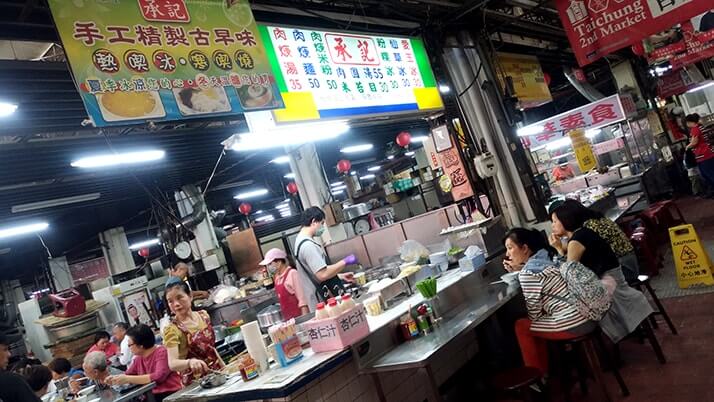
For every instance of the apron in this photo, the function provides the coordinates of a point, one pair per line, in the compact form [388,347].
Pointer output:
[629,308]
[288,301]
[201,346]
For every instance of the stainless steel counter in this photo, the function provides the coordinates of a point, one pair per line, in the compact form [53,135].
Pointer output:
[624,206]
[109,395]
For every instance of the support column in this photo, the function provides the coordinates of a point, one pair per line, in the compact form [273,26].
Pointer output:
[115,247]
[309,176]
[195,217]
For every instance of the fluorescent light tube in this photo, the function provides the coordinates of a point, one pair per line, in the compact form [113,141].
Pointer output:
[251,194]
[265,218]
[289,176]
[374,168]
[54,202]
[126,158]
[420,138]
[356,148]
[292,134]
[557,144]
[367,177]
[142,244]
[410,153]
[335,184]
[529,130]
[23,229]
[6,109]
[281,159]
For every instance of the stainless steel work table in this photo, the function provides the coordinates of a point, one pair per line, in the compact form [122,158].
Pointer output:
[418,353]
[109,395]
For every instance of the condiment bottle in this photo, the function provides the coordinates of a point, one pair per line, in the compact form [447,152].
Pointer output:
[321,312]
[347,302]
[333,310]
[248,368]
[409,327]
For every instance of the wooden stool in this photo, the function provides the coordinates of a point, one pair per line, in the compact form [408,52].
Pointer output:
[586,344]
[518,381]
[643,281]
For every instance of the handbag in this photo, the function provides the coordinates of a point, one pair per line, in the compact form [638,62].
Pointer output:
[590,297]
[332,287]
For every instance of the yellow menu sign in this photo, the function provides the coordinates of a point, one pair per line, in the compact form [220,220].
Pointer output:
[583,150]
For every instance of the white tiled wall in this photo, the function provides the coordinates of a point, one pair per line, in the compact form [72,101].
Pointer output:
[344,384]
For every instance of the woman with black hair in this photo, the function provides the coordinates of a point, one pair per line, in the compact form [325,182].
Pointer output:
[629,307]
[102,343]
[189,338]
[38,377]
[150,364]
[550,315]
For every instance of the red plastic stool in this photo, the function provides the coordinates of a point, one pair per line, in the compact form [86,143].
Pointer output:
[647,255]
[664,215]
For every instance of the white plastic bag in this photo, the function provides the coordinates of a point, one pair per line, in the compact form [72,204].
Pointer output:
[223,293]
[412,250]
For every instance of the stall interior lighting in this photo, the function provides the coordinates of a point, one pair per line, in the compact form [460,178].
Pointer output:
[142,244]
[54,202]
[6,109]
[284,204]
[23,229]
[289,176]
[265,218]
[374,168]
[292,134]
[337,192]
[419,138]
[342,187]
[335,184]
[125,158]
[356,148]
[557,144]
[390,157]
[281,159]
[353,173]
[367,177]
[444,89]
[591,133]
[705,84]
[410,153]
[251,194]
[529,130]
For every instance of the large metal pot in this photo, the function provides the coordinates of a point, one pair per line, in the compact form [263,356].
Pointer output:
[270,316]
[355,211]
[76,328]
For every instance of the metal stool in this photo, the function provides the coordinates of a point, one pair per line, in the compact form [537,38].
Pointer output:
[643,281]
[586,344]
[518,381]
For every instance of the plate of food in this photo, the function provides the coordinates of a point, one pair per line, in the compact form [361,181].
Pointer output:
[120,106]
[193,101]
[255,96]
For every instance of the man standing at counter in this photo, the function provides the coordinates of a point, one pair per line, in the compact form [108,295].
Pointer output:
[318,279]
[181,271]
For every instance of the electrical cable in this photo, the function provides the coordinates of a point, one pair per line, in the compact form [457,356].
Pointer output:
[210,178]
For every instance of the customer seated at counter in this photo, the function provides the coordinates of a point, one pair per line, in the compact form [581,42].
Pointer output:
[103,344]
[61,368]
[550,316]
[629,306]
[97,370]
[38,377]
[189,337]
[150,364]
[293,302]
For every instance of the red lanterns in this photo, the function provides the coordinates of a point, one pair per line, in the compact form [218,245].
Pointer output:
[546,78]
[245,208]
[638,49]
[404,139]
[292,188]
[343,166]
[144,252]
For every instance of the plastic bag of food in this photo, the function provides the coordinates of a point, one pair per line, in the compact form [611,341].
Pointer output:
[412,250]
[223,293]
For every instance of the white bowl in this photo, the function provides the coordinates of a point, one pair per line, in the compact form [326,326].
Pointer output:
[510,278]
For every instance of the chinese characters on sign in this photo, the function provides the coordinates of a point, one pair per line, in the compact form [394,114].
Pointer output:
[528,80]
[149,59]
[341,74]
[327,330]
[596,28]
[593,115]
[455,170]
[88,271]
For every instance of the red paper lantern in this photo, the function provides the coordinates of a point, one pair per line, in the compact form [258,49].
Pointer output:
[245,208]
[292,188]
[638,49]
[144,252]
[404,139]
[343,166]
[546,78]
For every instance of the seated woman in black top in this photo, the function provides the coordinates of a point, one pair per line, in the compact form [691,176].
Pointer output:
[629,306]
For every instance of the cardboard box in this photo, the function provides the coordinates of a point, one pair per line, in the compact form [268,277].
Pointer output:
[338,332]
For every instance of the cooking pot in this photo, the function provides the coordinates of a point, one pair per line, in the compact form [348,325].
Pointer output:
[355,211]
[270,316]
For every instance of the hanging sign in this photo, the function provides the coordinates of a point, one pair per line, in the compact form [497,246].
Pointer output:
[138,60]
[596,28]
[337,75]
[593,115]
[88,271]
[675,83]
[456,172]
[691,260]
[697,43]
[528,81]
[583,150]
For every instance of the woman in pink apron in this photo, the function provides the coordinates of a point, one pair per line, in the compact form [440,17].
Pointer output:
[189,338]
[287,284]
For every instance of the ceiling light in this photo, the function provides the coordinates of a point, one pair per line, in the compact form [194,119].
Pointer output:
[6,109]
[282,205]
[410,153]
[23,229]
[342,187]
[356,148]
[557,144]
[114,159]
[54,202]
[705,84]
[353,173]
[337,183]
[444,89]
[251,194]
[530,130]
[390,157]
[281,159]
[367,177]
[290,134]
[374,168]
[228,227]
[337,192]
[142,244]
[265,218]
[419,138]
[289,176]
[260,211]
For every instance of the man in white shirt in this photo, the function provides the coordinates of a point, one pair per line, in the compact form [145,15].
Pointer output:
[119,333]
[311,259]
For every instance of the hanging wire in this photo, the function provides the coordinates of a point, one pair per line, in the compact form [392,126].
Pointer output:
[213,173]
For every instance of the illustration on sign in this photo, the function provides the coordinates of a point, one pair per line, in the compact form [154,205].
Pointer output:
[458,181]
[692,263]
[697,43]
[527,77]
[165,60]
[337,75]
[583,150]
[596,28]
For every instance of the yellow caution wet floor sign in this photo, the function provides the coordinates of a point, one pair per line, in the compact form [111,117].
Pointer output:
[694,267]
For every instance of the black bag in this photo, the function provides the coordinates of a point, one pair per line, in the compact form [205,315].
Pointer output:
[690,160]
[332,287]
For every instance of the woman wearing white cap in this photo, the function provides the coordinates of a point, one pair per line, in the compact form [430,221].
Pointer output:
[287,285]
